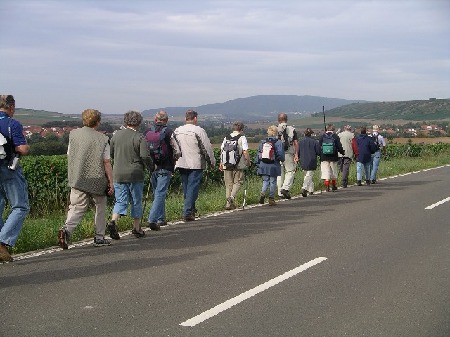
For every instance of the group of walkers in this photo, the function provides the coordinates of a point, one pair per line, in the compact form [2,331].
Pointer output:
[99,167]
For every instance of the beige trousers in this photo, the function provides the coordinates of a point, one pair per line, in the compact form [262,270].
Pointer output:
[233,181]
[79,203]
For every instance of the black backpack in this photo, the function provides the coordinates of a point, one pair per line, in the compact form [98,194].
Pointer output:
[283,136]
[376,141]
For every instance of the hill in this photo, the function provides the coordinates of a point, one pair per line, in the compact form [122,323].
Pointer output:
[417,110]
[259,107]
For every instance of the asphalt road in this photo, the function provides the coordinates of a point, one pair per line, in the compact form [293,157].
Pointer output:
[363,261]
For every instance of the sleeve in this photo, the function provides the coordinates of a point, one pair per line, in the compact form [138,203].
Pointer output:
[244,143]
[107,152]
[208,147]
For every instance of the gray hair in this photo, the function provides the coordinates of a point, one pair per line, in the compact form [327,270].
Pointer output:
[238,126]
[132,118]
[161,116]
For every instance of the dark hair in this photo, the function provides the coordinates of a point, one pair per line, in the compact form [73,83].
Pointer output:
[363,130]
[191,114]
[308,132]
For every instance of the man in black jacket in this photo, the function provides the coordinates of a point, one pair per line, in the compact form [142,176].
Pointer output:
[309,150]
[330,144]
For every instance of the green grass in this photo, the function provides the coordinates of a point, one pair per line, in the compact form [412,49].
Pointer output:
[41,232]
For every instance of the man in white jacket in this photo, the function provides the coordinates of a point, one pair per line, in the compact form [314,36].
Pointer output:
[197,153]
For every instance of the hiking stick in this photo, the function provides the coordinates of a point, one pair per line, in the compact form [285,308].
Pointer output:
[324,123]
[244,202]
[146,197]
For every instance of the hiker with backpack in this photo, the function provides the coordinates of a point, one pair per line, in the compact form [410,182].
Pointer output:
[13,184]
[268,161]
[330,145]
[345,161]
[164,151]
[308,152]
[131,157]
[366,148]
[234,160]
[380,145]
[197,154]
[289,138]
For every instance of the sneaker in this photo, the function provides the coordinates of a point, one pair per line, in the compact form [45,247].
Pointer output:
[112,229]
[373,181]
[101,242]
[261,198]
[138,233]
[272,202]
[162,224]
[63,238]
[286,194]
[359,183]
[304,193]
[334,188]
[230,204]
[367,182]
[154,226]
[4,254]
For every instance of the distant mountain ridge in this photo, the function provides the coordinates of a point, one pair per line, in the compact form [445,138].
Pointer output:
[260,106]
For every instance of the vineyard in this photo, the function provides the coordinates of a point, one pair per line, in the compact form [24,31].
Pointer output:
[48,189]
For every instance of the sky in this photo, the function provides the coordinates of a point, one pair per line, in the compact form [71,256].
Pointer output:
[115,56]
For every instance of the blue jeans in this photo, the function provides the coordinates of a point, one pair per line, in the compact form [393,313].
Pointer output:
[271,183]
[190,180]
[14,188]
[376,157]
[123,192]
[160,181]
[359,167]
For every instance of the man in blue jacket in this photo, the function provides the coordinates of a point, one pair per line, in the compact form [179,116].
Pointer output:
[309,150]
[366,147]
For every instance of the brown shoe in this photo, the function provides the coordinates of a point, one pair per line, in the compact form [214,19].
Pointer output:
[272,202]
[4,254]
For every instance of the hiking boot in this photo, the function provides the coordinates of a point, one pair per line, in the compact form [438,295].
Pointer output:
[367,182]
[373,181]
[138,233]
[112,229]
[272,201]
[4,254]
[359,183]
[154,226]
[261,198]
[63,238]
[304,193]
[189,217]
[101,242]
[230,204]
[334,188]
[327,188]
[286,194]
[344,184]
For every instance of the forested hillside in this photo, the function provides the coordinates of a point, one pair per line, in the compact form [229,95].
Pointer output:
[417,110]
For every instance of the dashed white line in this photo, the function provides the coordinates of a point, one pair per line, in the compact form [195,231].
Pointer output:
[438,203]
[249,293]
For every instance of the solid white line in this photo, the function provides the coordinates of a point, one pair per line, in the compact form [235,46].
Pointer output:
[252,292]
[438,203]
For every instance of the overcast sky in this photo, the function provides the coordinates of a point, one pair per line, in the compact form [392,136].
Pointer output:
[114,56]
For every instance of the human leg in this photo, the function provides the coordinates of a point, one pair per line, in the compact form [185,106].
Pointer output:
[192,182]
[289,167]
[280,180]
[79,202]
[345,170]
[100,215]
[376,157]
[160,182]
[359,167]
[15,189]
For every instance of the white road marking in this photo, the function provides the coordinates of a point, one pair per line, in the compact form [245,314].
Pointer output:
[249,293]
[438,203]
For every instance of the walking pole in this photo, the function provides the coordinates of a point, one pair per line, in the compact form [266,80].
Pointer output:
[244,202]
[146,197]
[324,123]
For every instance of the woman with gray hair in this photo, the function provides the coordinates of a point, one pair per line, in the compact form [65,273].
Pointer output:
[131,156]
